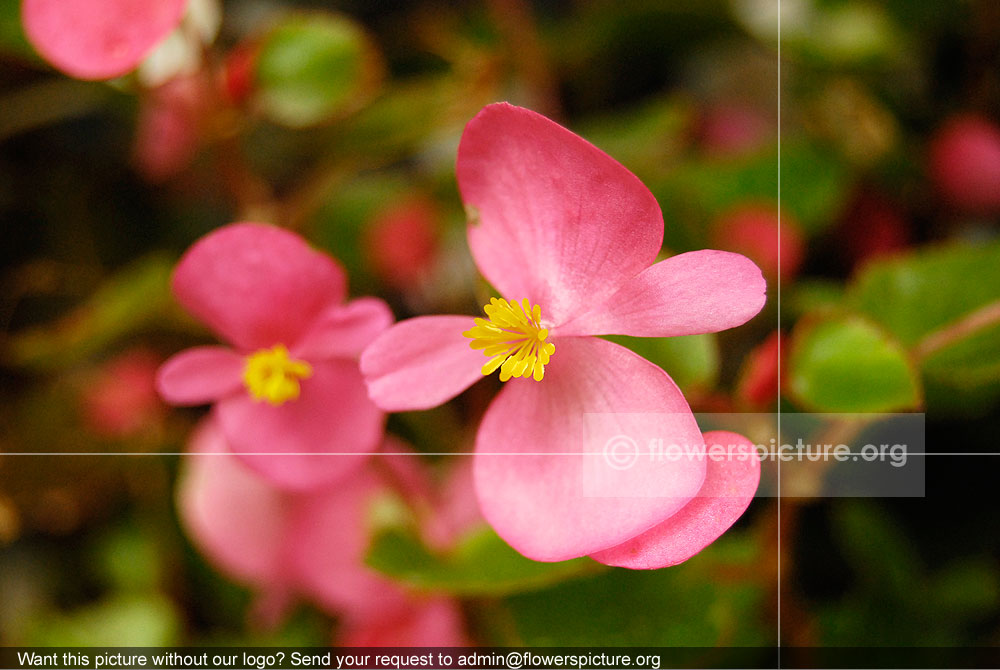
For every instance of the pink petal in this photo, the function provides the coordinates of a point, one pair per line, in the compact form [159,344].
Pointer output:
[257,285]
[729,487]
[420,363]
[328,539]
[200,375]
[552,218]
[343,331]
[233,516]
[544,505]
[332,416]
[424,623]
[98,39]
[697,292]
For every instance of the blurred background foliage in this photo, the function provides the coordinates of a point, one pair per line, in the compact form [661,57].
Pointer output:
[340,120]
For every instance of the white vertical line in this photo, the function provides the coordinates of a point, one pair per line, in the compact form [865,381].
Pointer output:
[778,436]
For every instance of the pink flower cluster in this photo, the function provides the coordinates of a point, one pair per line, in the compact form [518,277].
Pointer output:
[569,238]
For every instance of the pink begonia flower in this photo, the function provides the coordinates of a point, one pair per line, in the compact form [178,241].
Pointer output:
[286,545]
[759,382]
[757,230]
[121,400]
[98,39]
[570,238]
[732,129]
[169,128]
[964,162]
[290,386]
[401,242]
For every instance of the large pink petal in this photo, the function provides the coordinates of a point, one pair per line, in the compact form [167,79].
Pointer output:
[98,39]
[420,363]
[552,218]
[332,417]
[257,285]
[232,515]
[697,292]
[343,331]
[328,539]
[579,500]
[200,375]
[730,484]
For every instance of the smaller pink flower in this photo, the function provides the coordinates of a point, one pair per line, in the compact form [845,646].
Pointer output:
[289,386]
[169,128]
[311,544]
[964,162]
[402,242]
[732,129]
[98,39]
[121,400]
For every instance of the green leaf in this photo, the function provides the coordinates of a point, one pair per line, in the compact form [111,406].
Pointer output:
[922,293]
[882,556]
[847,364]
[691,360]
[967,588]
[685,605]
[919,293]
[122,620]
[813,185]
[481,564]
[314,67]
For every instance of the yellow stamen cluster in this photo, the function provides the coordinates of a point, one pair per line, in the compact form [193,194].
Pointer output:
[272,376]
[513,338]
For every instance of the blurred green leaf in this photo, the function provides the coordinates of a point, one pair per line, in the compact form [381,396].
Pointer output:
[847,364]
[126,302]
[895,602]
[314,67]
[691,360]
[481,564]
[880,553]
[644,138]
[968,587]
[813,295]
[813,185]
[129,559]
[120,621]
[918,293]
[685,605]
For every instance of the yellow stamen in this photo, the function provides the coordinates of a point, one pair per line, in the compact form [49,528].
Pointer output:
[272,376]
[513,338]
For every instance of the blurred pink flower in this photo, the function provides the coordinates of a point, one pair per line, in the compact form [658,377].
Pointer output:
[401,242]
[121,400]
[98,39]
[290,386]
[286,545]
[239,72]
[758,383]
[964,162]
[571,237]
[872,226]
[732,129]
[169,128]
[753,229]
